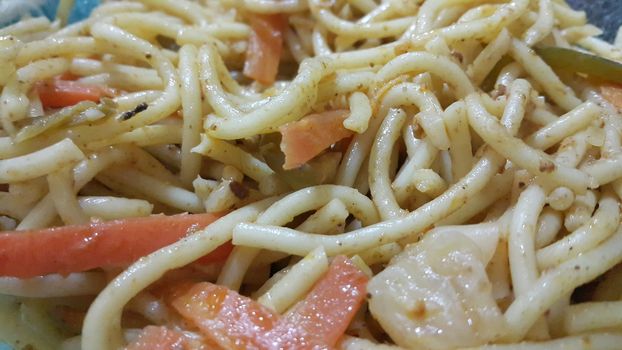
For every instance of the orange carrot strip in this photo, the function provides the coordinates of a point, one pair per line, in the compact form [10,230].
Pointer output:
[77,248]
[58,93]
[264,47]
[237,322]
[304,139]
[323,316]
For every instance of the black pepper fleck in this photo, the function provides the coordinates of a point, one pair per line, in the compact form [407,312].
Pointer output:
[129,114]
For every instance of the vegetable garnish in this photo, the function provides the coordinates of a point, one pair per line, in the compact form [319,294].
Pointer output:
[237,322]
[58,93]
[306,138]
[115,243]
[264,47]
[582,62]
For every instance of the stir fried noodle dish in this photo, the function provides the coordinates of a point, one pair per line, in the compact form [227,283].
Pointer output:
[311,174]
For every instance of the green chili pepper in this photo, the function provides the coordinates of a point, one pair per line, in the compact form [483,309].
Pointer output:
[582,62]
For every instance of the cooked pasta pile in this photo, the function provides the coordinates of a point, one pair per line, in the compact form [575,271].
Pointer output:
[289,174]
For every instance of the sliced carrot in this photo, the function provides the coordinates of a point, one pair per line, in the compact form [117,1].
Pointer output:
[613,94]
[328,309]
[237,322]
[58,93]
[304,139]
[225,317]
[218,255]
[77,248]
[158,338]
[264,47]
